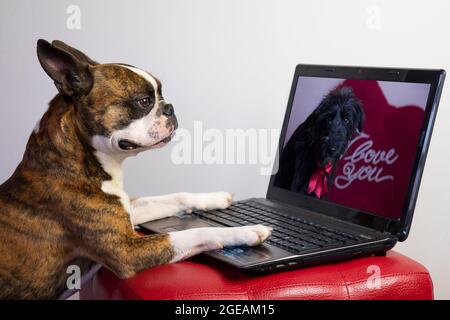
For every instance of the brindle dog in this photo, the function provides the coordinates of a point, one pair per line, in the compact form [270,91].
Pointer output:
[65,204]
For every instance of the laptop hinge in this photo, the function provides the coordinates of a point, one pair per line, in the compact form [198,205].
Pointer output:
[392,225]
[386,228]
[388,225]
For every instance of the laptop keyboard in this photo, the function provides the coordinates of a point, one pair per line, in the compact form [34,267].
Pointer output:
[294,234]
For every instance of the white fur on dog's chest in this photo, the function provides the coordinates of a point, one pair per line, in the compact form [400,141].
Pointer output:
[114,186]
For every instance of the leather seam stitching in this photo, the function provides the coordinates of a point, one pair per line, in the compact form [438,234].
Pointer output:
[346,284]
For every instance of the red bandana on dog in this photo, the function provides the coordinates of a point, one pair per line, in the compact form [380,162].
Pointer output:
[318,181]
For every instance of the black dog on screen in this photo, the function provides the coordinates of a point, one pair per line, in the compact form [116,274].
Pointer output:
[308,160]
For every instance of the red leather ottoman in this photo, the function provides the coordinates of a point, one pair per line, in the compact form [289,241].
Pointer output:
[391,277]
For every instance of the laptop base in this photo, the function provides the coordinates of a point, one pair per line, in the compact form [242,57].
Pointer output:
[269,256]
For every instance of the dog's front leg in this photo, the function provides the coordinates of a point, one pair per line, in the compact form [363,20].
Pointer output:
[151,208]
[110,241]
[190,242]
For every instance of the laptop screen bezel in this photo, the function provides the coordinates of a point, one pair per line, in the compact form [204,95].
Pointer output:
[397,227]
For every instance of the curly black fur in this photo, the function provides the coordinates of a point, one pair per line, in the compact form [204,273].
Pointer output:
[322,138]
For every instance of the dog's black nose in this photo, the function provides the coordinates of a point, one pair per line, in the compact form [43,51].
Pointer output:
[168,110]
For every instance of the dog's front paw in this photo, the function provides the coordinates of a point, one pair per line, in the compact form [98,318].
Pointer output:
[248,235]
[257,234]
[190,242]
[209,201]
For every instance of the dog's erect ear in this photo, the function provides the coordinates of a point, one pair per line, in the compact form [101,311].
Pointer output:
[75,52]
[70,74]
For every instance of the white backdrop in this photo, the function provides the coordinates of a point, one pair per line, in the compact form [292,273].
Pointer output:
[230,63]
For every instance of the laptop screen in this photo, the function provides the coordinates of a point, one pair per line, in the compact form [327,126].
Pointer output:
[353,142]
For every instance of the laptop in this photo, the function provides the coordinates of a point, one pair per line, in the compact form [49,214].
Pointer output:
[351,155]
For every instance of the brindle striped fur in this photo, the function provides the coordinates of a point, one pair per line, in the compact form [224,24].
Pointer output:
[53,212]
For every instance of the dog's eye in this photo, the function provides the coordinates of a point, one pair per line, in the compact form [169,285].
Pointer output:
[329,118]
[144,102]
[346,120]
